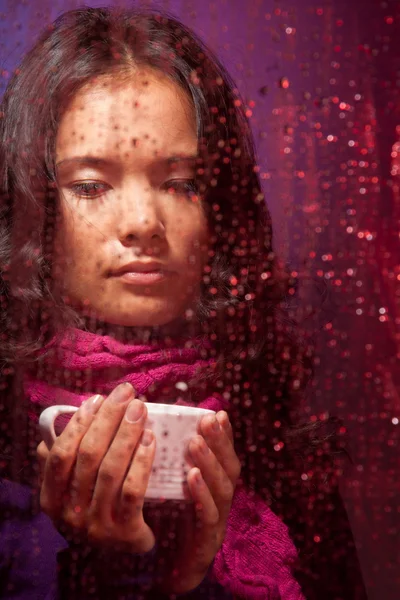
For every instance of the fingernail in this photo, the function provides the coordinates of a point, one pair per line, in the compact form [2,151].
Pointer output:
[122,393]
[198,479]
[147,437]
[225,420]
[92,405]
[215,424]
[134,411]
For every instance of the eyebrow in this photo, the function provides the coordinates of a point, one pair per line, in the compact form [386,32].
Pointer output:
[191,158]
[88,161]
[96,161]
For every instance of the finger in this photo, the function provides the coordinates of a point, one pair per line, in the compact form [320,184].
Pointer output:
[137,479]
[225,424]
[207,533]
[219,442]
[42,453]
[133,530]
[216,479]
[206,510]
[116,462]
[61,458]
[204,536]
[129,511]
[93,448]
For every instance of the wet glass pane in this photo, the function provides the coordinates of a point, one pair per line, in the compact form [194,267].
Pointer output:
[199,290]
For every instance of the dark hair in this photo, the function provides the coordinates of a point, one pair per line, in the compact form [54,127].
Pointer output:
[264,367]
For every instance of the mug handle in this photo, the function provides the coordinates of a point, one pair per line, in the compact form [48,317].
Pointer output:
[47,419]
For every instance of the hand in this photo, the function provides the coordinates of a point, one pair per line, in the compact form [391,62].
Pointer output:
[212,483]
[95,476]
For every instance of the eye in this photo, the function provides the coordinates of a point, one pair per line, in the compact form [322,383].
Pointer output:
[182,187]
[89,189]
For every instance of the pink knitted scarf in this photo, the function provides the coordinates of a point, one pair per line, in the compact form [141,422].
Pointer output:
[79,364]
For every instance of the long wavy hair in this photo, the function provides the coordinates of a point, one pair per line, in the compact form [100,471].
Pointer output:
[265,366]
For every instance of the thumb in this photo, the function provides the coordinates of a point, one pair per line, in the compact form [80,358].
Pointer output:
[42,452]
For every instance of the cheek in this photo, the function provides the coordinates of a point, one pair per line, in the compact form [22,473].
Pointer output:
[203,242]
[75,240]
[195,247]
[193,229]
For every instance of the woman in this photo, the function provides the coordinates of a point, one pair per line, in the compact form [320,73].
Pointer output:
[133,217]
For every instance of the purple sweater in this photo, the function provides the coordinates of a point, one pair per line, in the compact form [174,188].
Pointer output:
[36,562]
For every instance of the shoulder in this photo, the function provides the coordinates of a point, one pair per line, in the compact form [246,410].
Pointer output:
[14,496]
[18,511]
[28,543]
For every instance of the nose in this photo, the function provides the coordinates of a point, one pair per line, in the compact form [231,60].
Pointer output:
[141,222]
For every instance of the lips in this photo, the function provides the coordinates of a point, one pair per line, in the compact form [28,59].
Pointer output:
[142,273]
[139,267]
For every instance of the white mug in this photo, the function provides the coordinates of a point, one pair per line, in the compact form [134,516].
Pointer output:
[173,427]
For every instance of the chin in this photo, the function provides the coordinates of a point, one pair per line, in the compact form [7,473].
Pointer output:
[149,314]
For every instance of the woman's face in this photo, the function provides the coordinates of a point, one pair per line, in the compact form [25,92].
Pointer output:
[131,241]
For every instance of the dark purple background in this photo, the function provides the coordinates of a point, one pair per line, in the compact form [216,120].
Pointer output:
[342,64]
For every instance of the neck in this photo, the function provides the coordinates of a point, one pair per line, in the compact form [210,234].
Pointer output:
[179,328]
